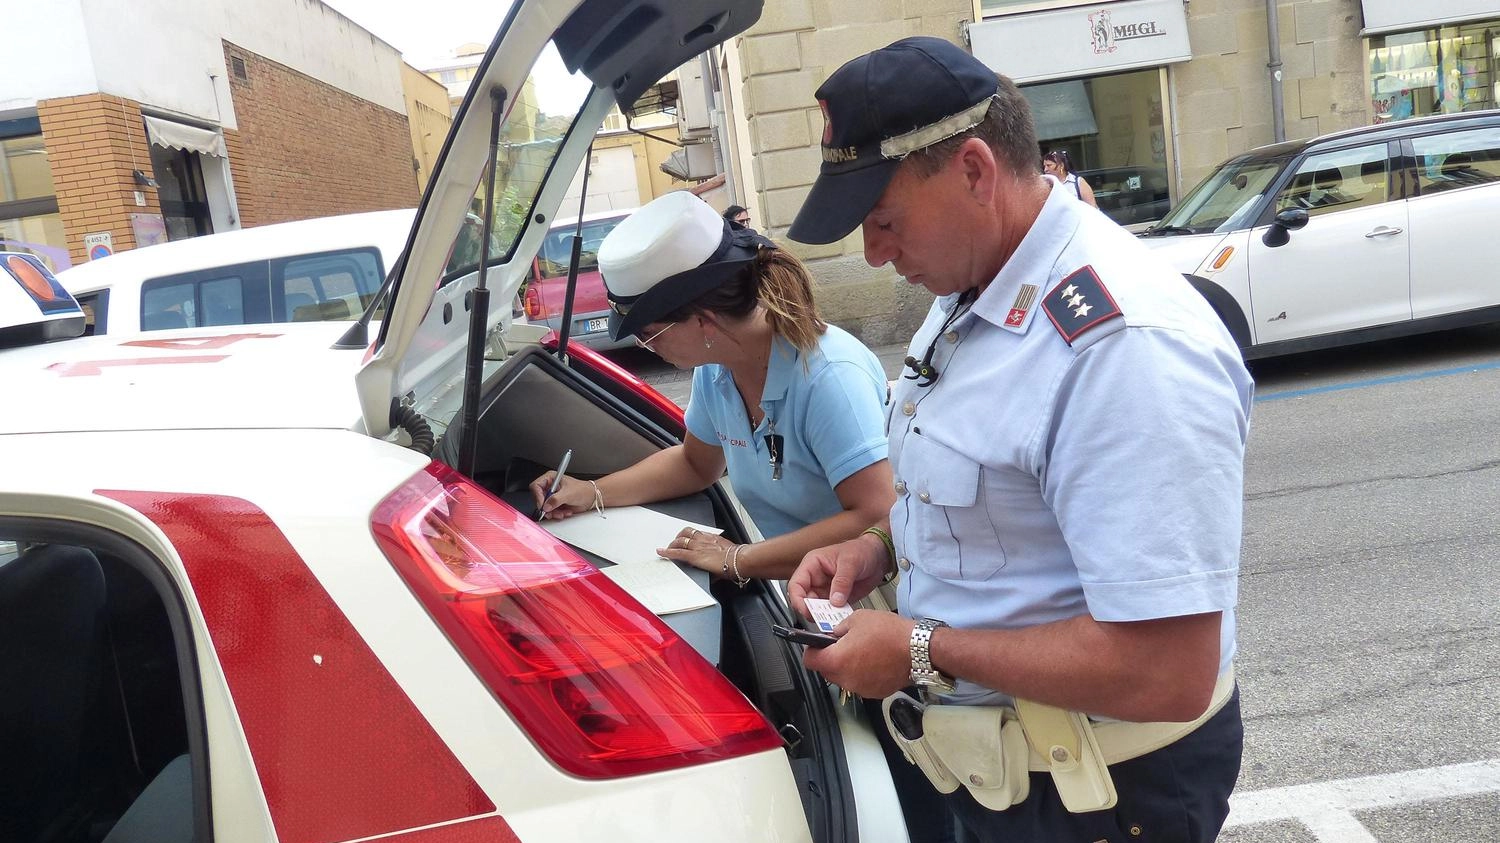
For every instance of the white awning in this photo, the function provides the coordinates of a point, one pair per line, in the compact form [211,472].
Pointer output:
[1081,41]
[1395,15]
[172,135]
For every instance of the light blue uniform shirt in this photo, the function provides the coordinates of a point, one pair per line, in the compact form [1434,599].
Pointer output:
[831,417]
[1038,480]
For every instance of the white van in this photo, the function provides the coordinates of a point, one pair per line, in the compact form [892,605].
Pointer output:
[304,271]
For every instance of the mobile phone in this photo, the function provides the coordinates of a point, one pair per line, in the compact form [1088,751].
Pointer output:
[802,636]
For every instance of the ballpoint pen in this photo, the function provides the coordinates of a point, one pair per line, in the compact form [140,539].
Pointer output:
[562,468]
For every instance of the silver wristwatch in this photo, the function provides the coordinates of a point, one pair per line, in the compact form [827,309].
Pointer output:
[923,674]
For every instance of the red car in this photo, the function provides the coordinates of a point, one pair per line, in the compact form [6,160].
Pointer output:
[547,287]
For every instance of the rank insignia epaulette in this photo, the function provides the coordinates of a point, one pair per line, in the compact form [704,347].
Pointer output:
[1078,303]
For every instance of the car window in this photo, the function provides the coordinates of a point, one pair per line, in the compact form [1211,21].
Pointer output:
[335,285]
[223,302]
[95,312]
[1457,159]
[530,139]
[168,305]
[557,249]
[1338,181]
[1225,200]
[98,709]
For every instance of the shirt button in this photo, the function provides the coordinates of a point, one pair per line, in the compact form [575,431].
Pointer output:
[900,487]
[924,497]
[909,408]
[903,563]
[951,336]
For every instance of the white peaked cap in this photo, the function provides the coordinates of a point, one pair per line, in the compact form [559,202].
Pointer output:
[668,254]
[670,234]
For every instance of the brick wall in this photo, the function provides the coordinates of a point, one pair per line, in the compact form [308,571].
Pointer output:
[94,141]
[306,149]
[1223,96]
[785,57]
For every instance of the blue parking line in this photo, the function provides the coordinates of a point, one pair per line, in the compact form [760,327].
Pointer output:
[1338,387]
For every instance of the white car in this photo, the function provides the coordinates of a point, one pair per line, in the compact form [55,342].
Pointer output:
[276,583]
[1360,235]
[309,270]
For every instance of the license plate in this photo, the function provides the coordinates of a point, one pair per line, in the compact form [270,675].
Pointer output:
[591,326]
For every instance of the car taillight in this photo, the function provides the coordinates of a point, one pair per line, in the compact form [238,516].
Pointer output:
[532,301]
[600,684]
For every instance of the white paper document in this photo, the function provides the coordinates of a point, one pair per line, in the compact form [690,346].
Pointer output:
[622,535]
[629,536]
[660,585]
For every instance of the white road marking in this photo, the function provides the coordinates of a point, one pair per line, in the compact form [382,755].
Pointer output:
[1327,808]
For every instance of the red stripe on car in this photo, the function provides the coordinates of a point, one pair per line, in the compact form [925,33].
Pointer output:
[341,751]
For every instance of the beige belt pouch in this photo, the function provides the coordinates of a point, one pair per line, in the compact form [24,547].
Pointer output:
[985,749]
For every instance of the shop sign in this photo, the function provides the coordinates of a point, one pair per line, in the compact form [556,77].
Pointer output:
[1396,15]
[1083,41]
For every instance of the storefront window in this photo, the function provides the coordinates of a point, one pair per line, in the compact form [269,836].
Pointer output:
[29,221]
[1112,128]
[1434,71]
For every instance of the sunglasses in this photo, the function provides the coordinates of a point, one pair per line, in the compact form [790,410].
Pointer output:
[646,343]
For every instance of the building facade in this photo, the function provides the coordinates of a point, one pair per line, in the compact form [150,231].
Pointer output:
[183,118]
[429,118]
[1150,94]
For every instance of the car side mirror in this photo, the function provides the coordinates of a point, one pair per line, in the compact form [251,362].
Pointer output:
[1287,221]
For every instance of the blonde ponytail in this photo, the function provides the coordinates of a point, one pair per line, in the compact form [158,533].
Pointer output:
[784,289]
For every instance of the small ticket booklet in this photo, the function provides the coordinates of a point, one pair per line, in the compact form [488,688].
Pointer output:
[825,614]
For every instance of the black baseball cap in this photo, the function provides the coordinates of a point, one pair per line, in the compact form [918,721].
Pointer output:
[877,108]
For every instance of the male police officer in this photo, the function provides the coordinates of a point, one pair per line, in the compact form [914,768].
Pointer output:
[1068,446]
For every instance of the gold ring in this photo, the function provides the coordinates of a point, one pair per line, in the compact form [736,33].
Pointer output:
[687,541]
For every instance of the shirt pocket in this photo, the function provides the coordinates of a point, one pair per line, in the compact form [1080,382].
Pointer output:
[948,525]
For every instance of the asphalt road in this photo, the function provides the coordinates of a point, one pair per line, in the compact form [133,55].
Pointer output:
[1369,609]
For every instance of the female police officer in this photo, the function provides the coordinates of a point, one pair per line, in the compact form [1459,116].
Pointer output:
[790,405]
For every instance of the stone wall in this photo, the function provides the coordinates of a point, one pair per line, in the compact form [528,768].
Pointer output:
[1222,98]
[784,58]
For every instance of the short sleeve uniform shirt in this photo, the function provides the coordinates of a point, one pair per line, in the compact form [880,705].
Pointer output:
[829,413]
[1082,448]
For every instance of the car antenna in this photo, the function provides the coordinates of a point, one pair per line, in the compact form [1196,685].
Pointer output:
[358,335]
[479,301]
[567,315]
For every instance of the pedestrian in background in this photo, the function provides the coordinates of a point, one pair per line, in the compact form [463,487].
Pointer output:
[738,214]
[1059,165]
[1068,447]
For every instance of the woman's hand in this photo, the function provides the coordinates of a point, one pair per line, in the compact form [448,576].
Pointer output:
[573,496]
[704,551]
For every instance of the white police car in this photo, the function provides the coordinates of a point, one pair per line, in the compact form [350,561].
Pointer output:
[240,601]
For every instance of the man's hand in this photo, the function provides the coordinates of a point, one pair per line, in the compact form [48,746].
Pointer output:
[841,573]
[872,657]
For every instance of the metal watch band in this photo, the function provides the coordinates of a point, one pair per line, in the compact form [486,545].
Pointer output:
[923,674]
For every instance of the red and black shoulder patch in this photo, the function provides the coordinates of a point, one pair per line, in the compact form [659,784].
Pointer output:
[1078,303]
